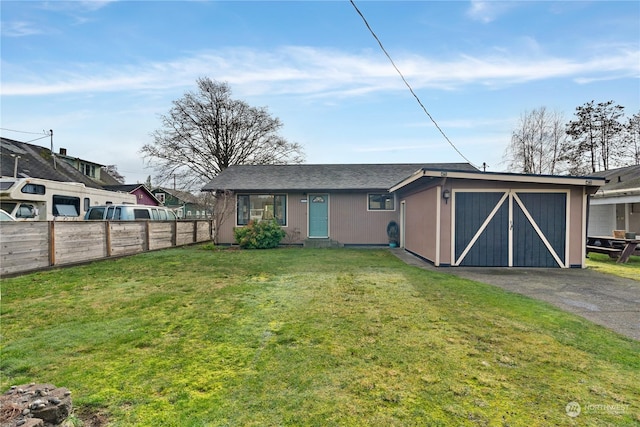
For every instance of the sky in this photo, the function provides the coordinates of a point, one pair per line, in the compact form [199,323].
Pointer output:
[101,73]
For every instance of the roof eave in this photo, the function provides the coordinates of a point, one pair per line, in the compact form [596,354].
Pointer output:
[504,177]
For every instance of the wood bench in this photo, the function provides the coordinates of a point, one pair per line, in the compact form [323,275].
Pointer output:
[612,252]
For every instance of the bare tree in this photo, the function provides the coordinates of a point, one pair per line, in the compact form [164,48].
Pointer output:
[594,137]
[535,143]
[113,171]
[630,149]
[207,131]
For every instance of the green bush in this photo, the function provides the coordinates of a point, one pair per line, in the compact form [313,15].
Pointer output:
[259,235]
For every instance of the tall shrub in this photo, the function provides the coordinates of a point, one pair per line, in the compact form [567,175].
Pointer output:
[259,235]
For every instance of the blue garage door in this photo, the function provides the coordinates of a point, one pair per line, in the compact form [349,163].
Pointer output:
[510,229]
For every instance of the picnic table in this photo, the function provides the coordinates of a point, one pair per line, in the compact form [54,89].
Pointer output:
[615,247]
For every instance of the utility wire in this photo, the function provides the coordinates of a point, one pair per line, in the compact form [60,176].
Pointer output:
[21,131]
[407,83]
[42,137]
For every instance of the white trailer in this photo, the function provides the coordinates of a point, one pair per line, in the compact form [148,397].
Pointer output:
[45,200]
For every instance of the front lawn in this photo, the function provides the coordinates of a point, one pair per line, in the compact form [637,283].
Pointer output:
[606,264]
[315,337]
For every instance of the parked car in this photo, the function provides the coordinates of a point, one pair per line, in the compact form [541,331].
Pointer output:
[129,213]
[4,216]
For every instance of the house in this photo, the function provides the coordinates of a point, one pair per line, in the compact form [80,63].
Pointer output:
[185,204]
[450,214]
[616,205]
[24,160]
[348,204]
[142,193]
[88,168]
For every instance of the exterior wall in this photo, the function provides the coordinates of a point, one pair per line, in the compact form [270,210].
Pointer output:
[420,224]
[143,198]
[296,227]
[602,220]
[297,224]
[351,223]
[634,217]
[606,217]
[577,226]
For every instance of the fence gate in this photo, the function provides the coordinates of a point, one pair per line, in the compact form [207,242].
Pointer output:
[510,228]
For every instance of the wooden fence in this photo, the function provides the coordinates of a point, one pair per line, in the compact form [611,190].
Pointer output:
[34,245]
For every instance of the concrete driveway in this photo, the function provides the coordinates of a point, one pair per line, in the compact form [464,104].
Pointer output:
[607,300]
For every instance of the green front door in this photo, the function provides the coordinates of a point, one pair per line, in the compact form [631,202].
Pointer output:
[318,215]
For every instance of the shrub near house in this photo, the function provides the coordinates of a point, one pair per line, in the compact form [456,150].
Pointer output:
[259,235]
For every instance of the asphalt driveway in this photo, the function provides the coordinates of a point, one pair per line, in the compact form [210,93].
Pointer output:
[607,300]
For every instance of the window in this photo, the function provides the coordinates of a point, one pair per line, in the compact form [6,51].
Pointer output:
[96,213]
[33,189]
[262,207]
[87,169]
[26,211]
[113,213]
[87,204]
[5,185]
[381,202]
[141,214]
[66,206]
[160,197]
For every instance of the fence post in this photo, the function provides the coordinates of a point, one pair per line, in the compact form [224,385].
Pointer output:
[147,235]
[174,234]
[107,237]
[52,243]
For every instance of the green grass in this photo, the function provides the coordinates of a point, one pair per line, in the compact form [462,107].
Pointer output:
[605,264]
[192,337]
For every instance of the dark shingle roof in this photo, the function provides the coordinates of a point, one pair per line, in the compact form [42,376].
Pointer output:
[321,177]
[127,188]
[37,162]
[626,178]
[183,196]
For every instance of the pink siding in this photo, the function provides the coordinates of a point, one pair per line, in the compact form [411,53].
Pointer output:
[420,223]
[351,223]
[296,228]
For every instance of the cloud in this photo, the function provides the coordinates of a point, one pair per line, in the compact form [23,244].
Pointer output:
[313,72]
[488,11]
[20,29]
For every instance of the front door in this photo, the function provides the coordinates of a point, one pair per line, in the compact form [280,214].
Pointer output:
[318,215]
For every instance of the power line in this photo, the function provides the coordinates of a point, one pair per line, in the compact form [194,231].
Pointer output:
[42,137]
[22,131]
[407,83]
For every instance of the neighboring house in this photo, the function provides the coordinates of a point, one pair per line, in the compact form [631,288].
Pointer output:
[142,193]
[88,168]
[185,204]
[616,205]
[449,214]
[40,185]
[23,160]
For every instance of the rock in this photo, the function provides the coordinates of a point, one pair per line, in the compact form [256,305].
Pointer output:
[32,409]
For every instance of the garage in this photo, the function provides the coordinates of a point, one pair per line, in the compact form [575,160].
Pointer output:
[510,228]
[484,219]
